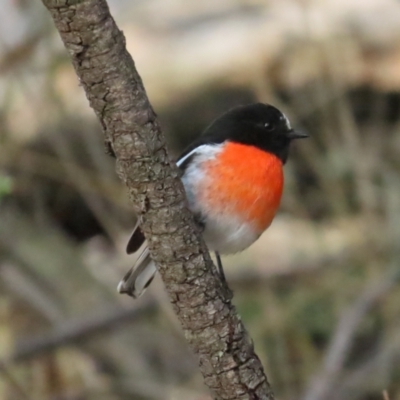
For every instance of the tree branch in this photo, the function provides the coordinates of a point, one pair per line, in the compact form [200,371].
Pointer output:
[202,303]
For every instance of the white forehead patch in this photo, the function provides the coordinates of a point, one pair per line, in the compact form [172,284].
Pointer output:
[285,118]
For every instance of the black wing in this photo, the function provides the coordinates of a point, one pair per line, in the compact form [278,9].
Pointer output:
[136,240]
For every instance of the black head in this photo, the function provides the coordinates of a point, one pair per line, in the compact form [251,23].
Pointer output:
[260,125]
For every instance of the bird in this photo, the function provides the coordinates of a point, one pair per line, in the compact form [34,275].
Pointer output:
[233,179]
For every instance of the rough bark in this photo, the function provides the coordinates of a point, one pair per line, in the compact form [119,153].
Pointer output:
[201,301]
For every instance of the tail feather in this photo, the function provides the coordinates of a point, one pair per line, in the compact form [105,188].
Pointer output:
[136,240]
[139,277]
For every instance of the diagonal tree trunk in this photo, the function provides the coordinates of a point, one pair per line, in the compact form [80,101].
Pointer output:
[202,303]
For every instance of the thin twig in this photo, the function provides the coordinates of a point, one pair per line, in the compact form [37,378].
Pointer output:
[75,331]
[385,395]
[344,336]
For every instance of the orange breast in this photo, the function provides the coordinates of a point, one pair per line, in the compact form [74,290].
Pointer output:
[246,181]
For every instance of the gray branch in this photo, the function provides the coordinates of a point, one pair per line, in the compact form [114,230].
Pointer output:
[74,331]
[202,303]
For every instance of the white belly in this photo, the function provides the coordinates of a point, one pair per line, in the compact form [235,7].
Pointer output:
[228,236]
[222,233]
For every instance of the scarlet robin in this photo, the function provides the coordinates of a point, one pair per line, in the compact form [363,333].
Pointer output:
[233,177]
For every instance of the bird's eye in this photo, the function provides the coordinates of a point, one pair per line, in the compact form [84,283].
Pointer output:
[268,126]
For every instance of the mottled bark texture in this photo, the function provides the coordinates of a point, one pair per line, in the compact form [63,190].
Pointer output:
[202,303]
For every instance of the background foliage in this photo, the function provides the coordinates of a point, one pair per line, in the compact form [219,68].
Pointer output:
[318,292]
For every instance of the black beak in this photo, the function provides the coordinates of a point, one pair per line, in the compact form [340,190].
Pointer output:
[292,134]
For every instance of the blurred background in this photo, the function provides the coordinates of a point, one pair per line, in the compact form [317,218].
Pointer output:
[319,292]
